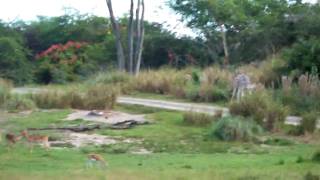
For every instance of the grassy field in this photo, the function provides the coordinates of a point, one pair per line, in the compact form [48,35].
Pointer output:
[180,152]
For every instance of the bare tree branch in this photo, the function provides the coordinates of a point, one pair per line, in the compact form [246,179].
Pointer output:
[130,38]
[140,40]
[116,32]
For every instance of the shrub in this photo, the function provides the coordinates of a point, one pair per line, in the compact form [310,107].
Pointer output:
[310,176]
[303,55]
[316,157]
[63,63]
[235,128]
[14,64]
[278,142]
[309,122]
[213,93]
[299,160]
[199,119]
[19,103]
[261,107]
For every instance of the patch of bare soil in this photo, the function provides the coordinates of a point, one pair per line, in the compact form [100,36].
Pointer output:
[80,140]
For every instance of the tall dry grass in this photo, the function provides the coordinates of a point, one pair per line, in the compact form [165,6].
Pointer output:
[95,97]
[163,81]
[5,88]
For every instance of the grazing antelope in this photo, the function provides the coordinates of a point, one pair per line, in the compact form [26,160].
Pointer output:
[44,140]
[96,158]
[12,139]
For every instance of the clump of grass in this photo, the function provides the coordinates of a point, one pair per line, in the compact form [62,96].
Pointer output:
[96,97]
[309,122]
[5,88]
[163,81]
[261,107]
[299,160]
[235,128]
[310,176]
[100,97]
[280,162]
[198,119]
[316,157]
[113,77]
[278,142]
[19,103]
[51,99]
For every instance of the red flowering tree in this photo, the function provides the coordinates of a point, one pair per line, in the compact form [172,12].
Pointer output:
[63,62]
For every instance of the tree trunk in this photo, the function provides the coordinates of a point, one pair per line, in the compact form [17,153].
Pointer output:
[116,32]
[140,37]
[225,45]
[130,39]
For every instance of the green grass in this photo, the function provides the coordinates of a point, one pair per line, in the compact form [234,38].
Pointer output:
[180,152]
[61,164]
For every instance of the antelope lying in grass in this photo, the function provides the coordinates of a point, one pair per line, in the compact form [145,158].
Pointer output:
[44,140]
[96,159]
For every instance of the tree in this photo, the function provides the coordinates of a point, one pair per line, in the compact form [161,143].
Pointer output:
[132,60]
[14,64]
[245,30]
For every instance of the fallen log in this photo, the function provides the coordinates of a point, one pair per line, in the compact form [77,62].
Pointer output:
[73,129]
[128,124]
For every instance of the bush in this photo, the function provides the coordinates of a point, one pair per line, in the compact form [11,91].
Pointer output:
[19,103]
[64,63]
[316,157]
[235,128]
[14,64]
[309,122]
[303,56]
[198,119]
[310,176]
[261,107]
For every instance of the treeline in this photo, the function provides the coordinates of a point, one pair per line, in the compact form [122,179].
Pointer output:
[73,46]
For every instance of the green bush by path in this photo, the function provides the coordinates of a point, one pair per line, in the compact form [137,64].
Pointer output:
[235,128]
[262,108]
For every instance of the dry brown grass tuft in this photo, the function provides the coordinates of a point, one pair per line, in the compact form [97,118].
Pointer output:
[198,119]
[96,97]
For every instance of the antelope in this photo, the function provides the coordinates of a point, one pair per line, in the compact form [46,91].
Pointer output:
[36,139]
[96,158]
[12,139]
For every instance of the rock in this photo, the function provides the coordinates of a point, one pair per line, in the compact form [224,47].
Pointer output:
[293,120]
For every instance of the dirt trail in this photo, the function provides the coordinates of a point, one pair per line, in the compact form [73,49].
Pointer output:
[208,109]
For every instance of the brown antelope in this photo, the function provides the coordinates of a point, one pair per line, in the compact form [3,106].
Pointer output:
[44,140]
[96,158]
[12,139]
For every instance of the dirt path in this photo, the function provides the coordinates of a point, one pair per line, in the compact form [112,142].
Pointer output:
[208,109]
